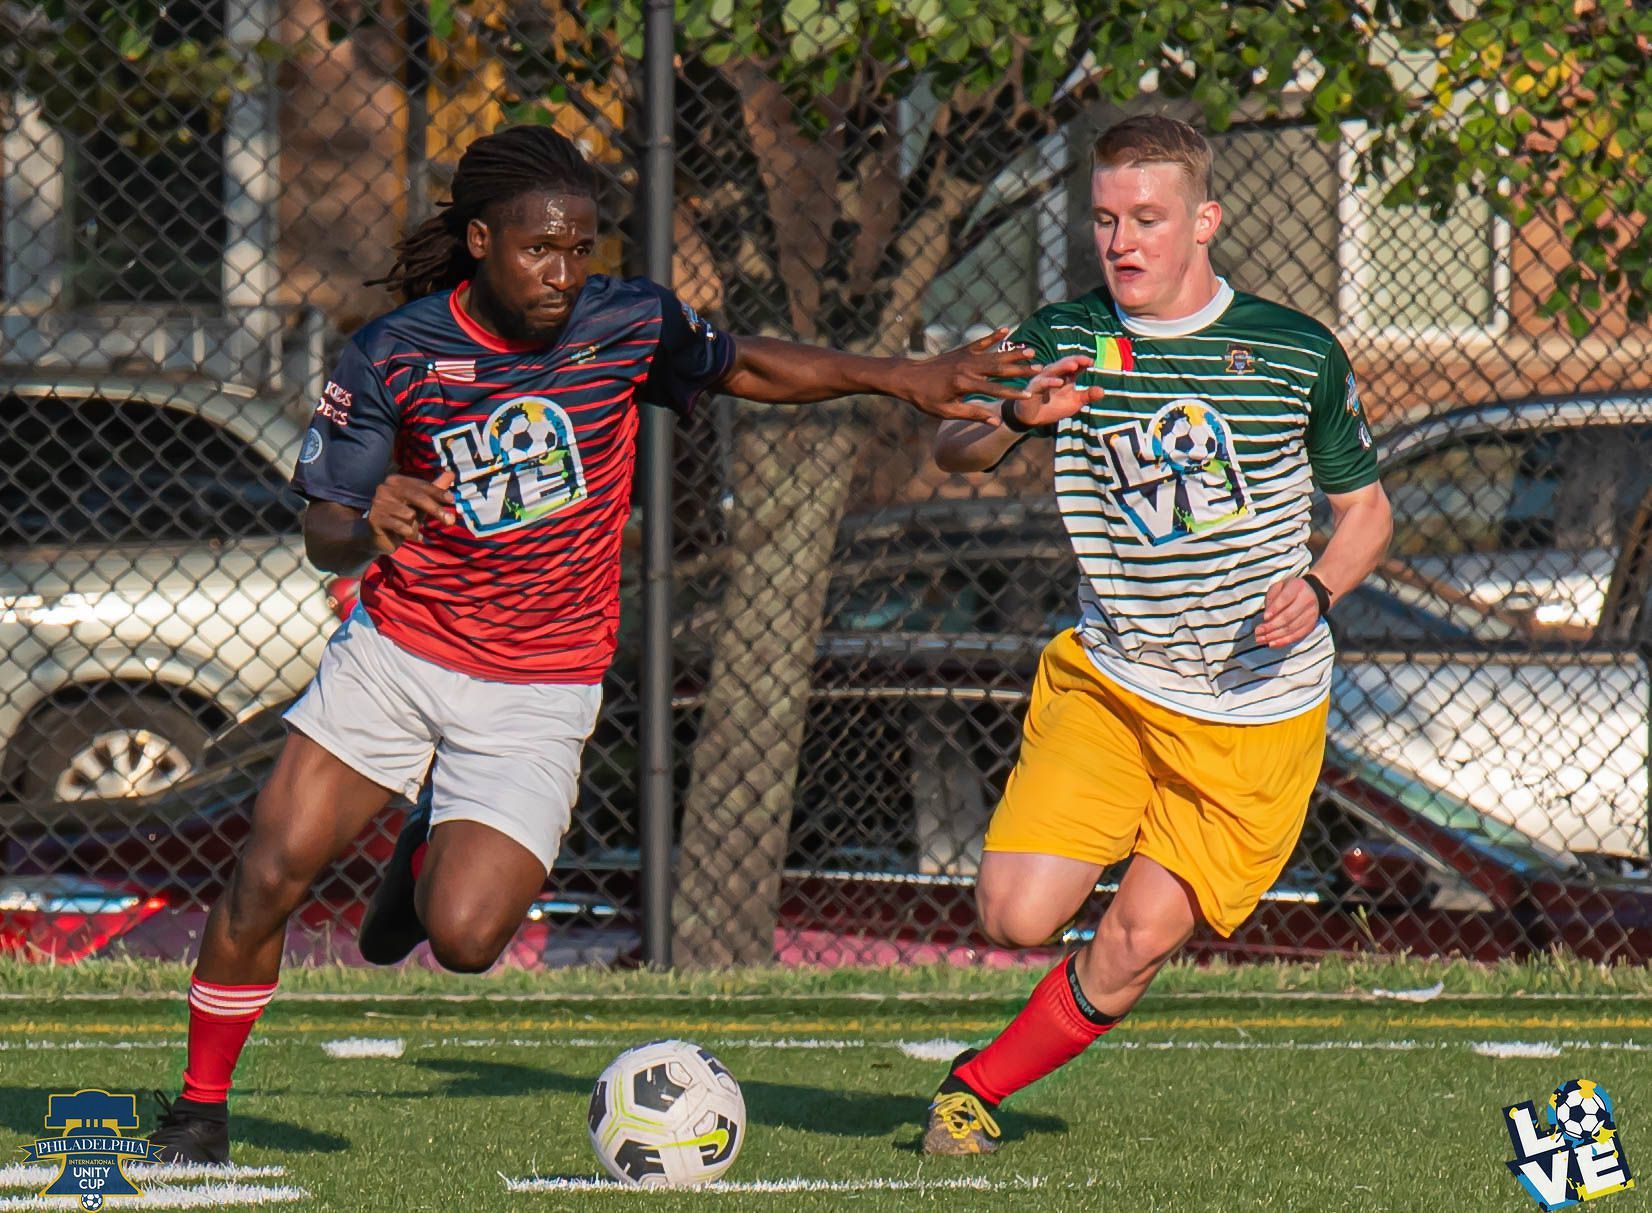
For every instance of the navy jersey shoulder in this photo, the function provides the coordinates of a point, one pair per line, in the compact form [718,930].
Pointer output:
[412,364]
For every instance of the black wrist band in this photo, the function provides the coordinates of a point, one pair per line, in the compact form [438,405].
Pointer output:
[1012,423]
[1322,594]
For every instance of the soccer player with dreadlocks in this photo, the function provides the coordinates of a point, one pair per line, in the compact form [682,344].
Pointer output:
[476,446]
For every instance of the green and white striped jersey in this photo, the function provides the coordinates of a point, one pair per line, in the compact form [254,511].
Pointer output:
[1186,492]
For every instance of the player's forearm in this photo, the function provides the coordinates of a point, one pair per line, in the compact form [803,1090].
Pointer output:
[1359,537]
[968,446]
[337,539]
[786,372]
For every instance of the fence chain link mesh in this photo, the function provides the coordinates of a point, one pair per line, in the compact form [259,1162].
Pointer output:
[193,196]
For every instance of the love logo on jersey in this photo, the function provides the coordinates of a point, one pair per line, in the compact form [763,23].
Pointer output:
[519,466]
[1176,476]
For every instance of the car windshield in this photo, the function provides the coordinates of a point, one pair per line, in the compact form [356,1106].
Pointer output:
[93,471]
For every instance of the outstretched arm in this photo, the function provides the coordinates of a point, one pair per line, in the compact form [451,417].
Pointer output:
[785,372]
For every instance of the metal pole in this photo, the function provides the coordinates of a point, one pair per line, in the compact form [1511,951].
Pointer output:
[418,113]
[659,50]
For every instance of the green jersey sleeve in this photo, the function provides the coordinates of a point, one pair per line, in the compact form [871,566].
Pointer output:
[1341,451]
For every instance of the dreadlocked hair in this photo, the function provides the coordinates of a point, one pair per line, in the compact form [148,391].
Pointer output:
[494,170]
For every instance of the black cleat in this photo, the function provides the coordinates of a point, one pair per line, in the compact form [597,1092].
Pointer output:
[960,1121]
[191,1132]
[390,928]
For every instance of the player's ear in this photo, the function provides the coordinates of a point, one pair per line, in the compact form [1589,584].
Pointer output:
[1206,219]
[476,238]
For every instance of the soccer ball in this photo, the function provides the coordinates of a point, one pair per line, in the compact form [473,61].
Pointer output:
[1579,1109]
[1184,436]
[524,431]
[667,1114]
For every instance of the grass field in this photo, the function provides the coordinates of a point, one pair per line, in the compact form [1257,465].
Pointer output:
[1300,1091]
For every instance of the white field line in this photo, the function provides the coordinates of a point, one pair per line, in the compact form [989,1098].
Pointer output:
[571,1185]
[19,1175]
[211,1195]
[1516,1048]
[922,1050]
[938,996]
[931,1050]
[364,1046]
[1425,994]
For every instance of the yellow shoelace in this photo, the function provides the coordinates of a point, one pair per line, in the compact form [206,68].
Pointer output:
[963,1113]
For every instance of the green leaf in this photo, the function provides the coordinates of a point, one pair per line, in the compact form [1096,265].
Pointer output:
[441,19]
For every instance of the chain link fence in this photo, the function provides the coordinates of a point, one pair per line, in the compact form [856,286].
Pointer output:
[195,191]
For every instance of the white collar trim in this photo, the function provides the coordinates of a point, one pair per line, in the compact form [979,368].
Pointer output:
[1184,325]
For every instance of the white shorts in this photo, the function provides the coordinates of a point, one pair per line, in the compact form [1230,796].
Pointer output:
[505,754]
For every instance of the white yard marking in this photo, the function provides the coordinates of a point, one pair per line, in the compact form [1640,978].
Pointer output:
[1516,1048]
[365,1046]
[935,996]
[1426,994]
[570,1185]
[17,1175]
[931,1050]
[212,1195]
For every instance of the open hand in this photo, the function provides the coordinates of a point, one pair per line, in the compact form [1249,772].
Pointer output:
[1289,612]
[403,504]
[1053,393]
[938,386]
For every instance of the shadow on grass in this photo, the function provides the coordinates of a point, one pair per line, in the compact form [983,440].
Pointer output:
[774,1104]
[23,1110]
[268,1134]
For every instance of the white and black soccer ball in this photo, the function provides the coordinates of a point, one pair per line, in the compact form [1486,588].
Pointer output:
[524,431]
[1580,1109]
[1186,436]
[667,1114]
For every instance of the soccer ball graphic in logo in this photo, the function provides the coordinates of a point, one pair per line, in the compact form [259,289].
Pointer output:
[667,1114]
[1185,435]
[525,431]
[1580,1109]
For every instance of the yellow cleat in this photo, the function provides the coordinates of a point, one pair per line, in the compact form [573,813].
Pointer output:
[959,1123]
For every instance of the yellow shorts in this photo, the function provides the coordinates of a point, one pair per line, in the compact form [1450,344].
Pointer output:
[1104,773]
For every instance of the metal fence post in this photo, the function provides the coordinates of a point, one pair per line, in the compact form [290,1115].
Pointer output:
[655,828]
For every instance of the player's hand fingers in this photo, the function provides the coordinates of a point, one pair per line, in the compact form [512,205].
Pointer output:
[426,498]
[392,530]
[961,410]
[1068,368]
[982,344]
[980,385]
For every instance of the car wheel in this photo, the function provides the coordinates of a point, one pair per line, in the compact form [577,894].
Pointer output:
[108,749]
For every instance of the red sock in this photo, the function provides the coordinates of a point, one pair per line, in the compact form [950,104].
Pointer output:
[417,862]
[220,1020]
[1052,1029]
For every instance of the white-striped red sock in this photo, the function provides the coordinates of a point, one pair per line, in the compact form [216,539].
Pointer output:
[220,1020]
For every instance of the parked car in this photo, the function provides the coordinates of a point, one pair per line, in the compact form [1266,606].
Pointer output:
[936,615]
[152,580]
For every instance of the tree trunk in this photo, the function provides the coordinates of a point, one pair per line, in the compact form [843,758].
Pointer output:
[791,479]
[791,476]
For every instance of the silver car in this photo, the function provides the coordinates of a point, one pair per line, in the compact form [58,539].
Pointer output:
[153,586]
[1500,655]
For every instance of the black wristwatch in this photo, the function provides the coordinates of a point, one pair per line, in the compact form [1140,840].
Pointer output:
[1012,423]
[1321,594]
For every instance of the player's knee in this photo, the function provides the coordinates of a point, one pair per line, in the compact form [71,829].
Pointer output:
[267,887]
[1012,925]
[466,943]
[1139,941]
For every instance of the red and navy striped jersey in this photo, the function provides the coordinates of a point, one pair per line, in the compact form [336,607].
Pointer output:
[541,441]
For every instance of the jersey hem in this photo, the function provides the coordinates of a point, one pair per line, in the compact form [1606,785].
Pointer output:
[407,639]
[1162,699]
